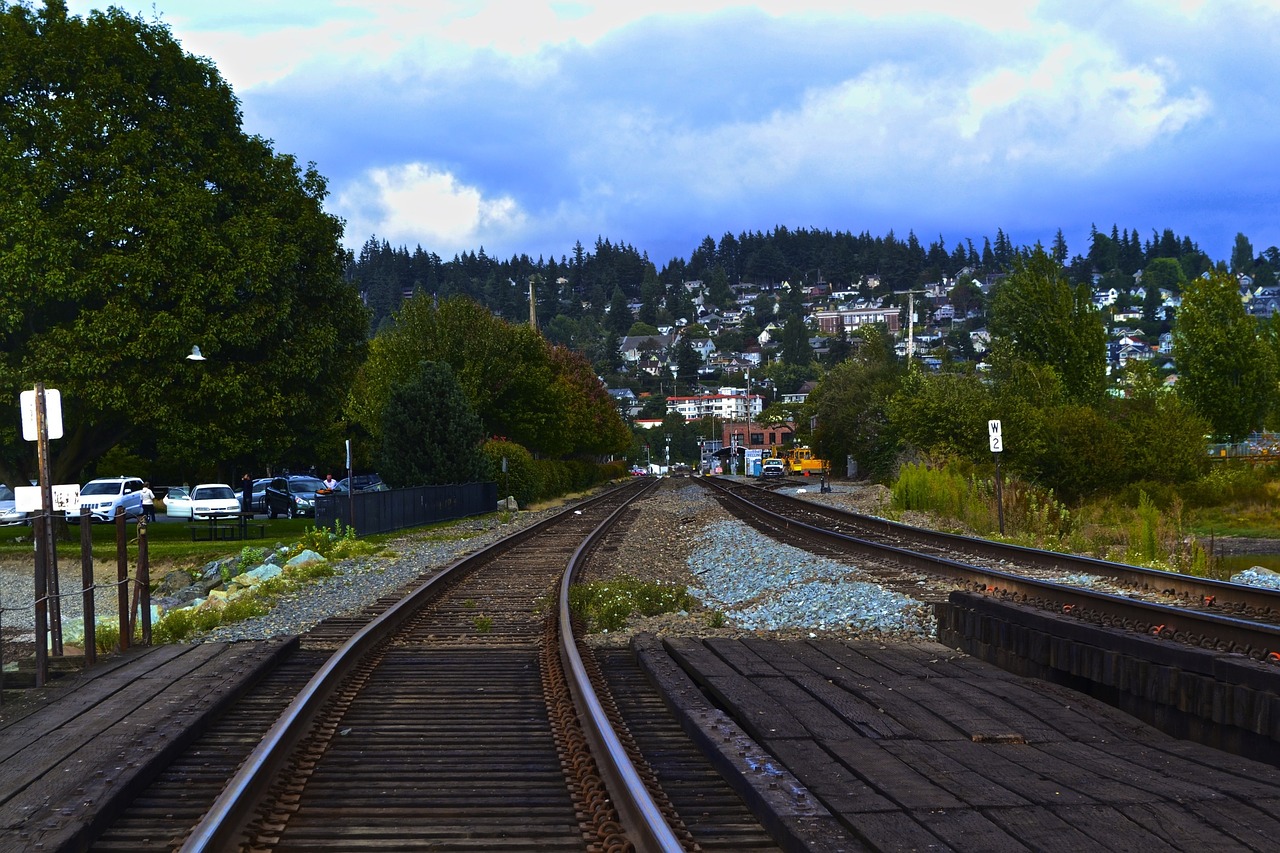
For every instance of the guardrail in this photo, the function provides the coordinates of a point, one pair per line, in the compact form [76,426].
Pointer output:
[396,509]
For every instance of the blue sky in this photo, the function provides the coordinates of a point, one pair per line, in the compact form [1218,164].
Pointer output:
[522,127]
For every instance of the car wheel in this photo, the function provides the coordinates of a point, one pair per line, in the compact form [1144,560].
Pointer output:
[271,511]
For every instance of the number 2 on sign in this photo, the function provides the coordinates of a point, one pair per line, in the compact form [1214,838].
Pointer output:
[997,441]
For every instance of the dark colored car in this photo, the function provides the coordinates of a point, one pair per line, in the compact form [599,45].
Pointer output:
[362,483]
[291,496]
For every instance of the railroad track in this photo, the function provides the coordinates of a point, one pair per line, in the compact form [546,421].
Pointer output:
[460,718]
[1198,611]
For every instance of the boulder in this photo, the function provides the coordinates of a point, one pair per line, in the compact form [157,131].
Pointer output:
[306,557]
[174,581]
[256,575]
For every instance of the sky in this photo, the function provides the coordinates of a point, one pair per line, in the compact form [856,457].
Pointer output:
[524,127]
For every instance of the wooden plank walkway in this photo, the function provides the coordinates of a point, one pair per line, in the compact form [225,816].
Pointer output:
[916,746]
[70,750]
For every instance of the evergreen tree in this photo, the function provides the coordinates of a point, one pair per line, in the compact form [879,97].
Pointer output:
[619,319]
[430,433]
[1059,252]
[1241,255]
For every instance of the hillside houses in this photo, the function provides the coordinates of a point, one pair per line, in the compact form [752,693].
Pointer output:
[940,328]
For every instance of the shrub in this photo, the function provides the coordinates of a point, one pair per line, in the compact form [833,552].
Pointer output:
[607,605]
[523,479]
[339,543]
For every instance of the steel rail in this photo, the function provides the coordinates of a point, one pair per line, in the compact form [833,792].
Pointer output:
[1256,639]
[231,813]
[640,814]
[1220,593]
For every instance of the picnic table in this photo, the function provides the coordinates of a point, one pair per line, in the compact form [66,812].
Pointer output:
[225,527]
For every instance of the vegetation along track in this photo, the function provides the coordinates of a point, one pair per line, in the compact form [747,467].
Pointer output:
[1199,611]
[441,724]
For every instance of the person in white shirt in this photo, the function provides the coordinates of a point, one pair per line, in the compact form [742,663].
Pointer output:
[148,502]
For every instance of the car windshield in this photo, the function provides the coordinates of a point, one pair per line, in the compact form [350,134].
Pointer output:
[305,484]
[212,493]
[101,489]
[6,493]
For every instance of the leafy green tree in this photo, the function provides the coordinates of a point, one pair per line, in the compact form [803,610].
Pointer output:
[640,329]
[851,404]
[1162,437]
[521,389]
[1045,321]
[965,296]
[591,422]
[1160,274]
[944,414]
[1226,370]
[137,219]
[430,434]
[1082,454]
[504,369]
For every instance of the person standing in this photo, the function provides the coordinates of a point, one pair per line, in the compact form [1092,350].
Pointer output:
[329,482]
[148,502]
[246,489]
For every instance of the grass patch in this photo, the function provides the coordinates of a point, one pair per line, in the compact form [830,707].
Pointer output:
[607,605]
[169,544]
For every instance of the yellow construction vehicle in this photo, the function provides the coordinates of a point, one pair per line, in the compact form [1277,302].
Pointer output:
[802,461]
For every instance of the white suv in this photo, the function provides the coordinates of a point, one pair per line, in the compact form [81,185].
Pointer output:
[104,494]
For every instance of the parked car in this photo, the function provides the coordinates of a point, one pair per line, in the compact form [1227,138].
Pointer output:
[177,502]
[292,496]
[213,500]
[103,495]
[9,514]
[362,483]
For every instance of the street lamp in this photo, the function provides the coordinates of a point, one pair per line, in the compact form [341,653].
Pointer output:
[668,454]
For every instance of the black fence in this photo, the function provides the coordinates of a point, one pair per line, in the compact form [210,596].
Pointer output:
[382,512]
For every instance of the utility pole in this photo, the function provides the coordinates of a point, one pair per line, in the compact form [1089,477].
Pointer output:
[911,322]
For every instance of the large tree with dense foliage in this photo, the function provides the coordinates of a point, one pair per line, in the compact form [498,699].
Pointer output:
[851,404]
[521,389]
[1044,320]
[1226,370]
[944,414]
[137,219]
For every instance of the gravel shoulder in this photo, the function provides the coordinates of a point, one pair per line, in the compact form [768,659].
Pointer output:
[679,535]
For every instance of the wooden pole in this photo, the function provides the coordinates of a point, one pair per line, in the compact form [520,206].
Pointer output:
[122,579]
[46,580]
[87,583]
[144,581]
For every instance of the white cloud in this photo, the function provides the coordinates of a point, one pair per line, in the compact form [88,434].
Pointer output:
[1069,109]
[415,203]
